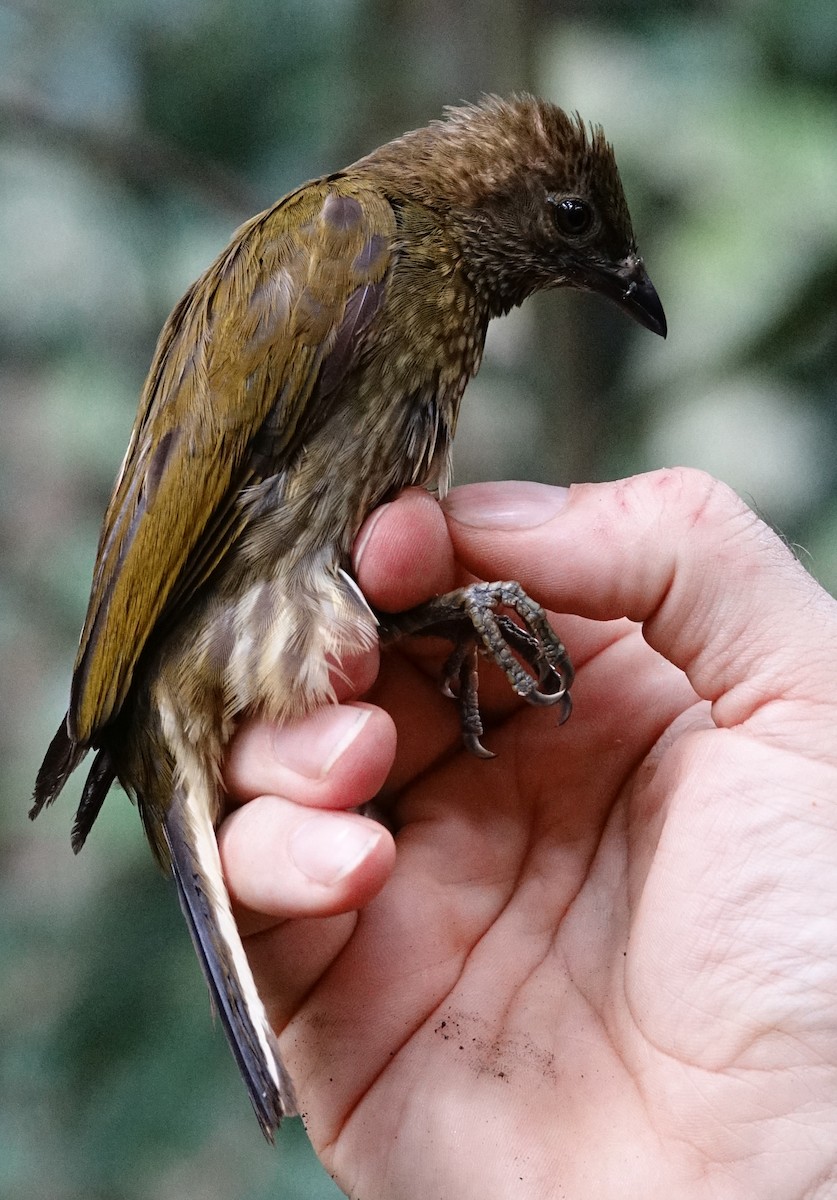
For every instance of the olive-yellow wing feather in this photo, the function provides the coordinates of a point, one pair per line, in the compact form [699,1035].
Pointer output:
[229,391]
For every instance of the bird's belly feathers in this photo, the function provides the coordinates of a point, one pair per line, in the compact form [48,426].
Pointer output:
[269,647]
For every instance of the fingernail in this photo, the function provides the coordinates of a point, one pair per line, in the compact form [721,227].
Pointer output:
[326,848]
[512,505]
[369,525]
[312,746]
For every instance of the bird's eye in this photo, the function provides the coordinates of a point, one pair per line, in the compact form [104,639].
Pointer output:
[572,216]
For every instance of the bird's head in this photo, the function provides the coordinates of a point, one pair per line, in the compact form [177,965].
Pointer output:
[535,199]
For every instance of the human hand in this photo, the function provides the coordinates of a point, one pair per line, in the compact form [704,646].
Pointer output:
[602,964]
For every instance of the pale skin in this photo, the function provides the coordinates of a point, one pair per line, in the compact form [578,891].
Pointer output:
[603,964]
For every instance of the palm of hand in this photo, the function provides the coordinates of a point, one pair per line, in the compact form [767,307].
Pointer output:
[562,964]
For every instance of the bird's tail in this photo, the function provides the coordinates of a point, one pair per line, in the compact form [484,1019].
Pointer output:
[61,759]
[196,866]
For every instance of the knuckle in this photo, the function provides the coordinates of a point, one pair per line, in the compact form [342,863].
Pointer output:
[695,499]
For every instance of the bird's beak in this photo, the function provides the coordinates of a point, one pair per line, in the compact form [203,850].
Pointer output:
[627,284]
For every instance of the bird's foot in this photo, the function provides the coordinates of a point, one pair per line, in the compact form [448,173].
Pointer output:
[529,654]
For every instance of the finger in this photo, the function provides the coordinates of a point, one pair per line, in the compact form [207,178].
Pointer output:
[282,860]
[336,757]
[403,554]
[717,592]
[291,856]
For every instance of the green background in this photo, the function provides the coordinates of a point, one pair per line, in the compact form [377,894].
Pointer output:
[134,136]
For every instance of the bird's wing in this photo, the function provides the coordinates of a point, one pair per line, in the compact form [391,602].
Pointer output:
[281,312]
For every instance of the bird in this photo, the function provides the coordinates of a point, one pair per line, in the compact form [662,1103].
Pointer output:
[312,372]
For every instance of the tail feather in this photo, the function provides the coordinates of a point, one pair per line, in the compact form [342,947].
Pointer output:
[196,867]
[99,779]
[61,759]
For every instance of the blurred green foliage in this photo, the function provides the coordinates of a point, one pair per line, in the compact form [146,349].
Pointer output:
[134,135]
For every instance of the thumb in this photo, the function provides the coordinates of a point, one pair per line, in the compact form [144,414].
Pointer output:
[717,592]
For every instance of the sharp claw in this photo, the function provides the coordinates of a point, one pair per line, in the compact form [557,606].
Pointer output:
[453,673]
[474,746]
[544,699]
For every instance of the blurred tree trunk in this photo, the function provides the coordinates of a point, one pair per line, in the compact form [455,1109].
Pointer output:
[447,53]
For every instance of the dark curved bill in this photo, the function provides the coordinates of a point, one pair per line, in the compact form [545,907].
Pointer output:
[628,285]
